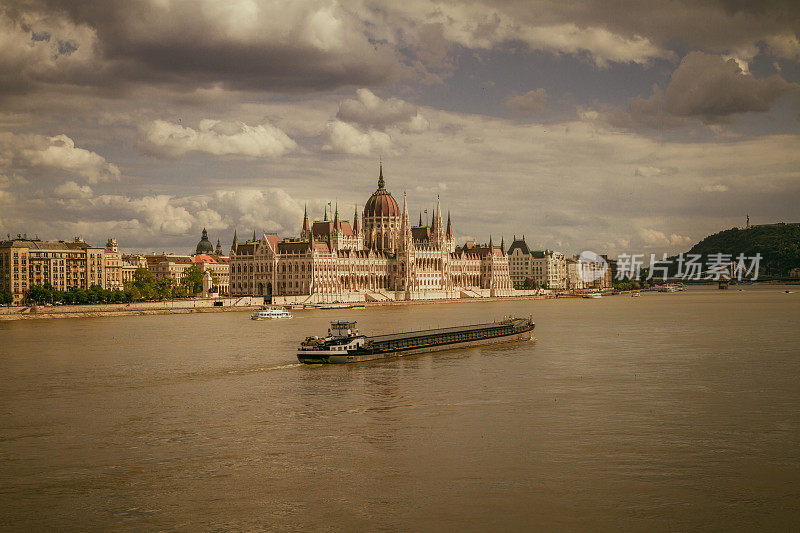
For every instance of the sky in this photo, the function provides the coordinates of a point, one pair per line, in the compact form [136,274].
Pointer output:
[617,127]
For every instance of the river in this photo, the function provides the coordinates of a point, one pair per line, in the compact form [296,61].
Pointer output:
[664,412]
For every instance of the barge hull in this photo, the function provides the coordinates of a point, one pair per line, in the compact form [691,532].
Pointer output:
[311,358]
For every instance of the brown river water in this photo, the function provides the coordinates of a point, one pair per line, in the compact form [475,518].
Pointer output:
[665,412]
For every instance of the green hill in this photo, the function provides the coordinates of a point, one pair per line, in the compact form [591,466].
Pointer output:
[778,244]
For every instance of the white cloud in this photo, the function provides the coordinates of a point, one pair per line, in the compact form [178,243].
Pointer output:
[371,111]
[54,154]
[714,188]
[70,189]
[476,26]
[344,138]
[654,238]
[218,138]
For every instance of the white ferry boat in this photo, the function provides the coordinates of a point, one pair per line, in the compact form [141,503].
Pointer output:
[266,312]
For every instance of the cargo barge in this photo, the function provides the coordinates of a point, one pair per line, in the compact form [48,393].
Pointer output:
[344,344]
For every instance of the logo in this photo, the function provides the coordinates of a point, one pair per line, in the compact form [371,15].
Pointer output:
[591,266]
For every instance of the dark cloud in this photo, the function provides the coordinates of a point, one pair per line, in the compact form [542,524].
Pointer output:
[310,46]
[712,89]
[706,87]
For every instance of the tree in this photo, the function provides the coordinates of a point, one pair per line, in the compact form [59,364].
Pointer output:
[165,287]
[39,294]
[193,280]
[144,283]
[6,298]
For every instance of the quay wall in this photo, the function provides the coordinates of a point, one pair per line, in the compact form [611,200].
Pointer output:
[133,308]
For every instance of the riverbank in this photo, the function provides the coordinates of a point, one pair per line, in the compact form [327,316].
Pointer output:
[219,306]
[170,307]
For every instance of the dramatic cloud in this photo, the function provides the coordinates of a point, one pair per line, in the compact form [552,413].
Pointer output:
[706,87]
[346,139]
[307,95]
[304,45]
[710,88]
[139,222]
[532,102]
[53,155]
[39,47]
[369,110]
[477,25]
[217,138]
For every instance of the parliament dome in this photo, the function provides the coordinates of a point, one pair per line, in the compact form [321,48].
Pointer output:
[381,203]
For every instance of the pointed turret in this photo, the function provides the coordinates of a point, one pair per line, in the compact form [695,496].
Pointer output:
[336,224]
[355,221]
[305,220]
[420,219]
[235,242]
[438,228]
[490,243]
[381,183]
[449,232]
[503,244]
[254,235]
[325,215]
[218,251]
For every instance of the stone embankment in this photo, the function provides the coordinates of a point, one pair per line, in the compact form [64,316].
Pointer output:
[206,305]
[168,307]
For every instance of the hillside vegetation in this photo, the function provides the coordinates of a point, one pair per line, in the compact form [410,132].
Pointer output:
[778,244]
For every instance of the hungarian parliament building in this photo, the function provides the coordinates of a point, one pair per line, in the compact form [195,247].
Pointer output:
[383,258]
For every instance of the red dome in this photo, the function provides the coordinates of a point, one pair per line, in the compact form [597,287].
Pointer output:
[381,204]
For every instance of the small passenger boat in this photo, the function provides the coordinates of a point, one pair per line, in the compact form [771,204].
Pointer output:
[266,312]
[593,295]
[344,344]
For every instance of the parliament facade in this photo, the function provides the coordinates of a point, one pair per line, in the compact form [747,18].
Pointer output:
[382,258]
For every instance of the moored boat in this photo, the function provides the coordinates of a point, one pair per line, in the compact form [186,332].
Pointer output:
[344,344]
[593,295]
[266,312]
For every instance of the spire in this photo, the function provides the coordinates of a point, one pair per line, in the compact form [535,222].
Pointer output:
[381,183]
[325,216]
[355,220]
[218,251]
[502,244]
[305,219]
[490,243]
[235,240]
[254,235]
[437,217]
[420,218]
[449,232]
[336,224]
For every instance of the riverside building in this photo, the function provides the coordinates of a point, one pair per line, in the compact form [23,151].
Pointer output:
[383,257]
[542,268]
[64,265]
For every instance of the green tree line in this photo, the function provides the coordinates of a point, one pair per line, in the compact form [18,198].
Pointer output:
[144,287]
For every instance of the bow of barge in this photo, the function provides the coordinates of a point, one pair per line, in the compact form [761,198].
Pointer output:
[344,344]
